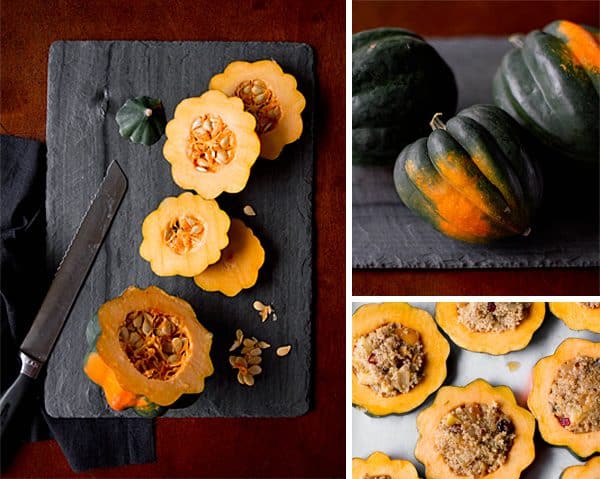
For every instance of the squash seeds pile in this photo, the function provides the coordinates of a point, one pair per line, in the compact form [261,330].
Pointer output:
[184,234]
[261,101]
[247,364]
[211,143]
[154,343]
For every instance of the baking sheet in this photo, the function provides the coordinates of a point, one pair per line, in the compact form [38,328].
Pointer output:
[397,436]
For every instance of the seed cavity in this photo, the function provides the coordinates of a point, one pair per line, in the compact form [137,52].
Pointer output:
[211,144]
[261,101]
[184,234]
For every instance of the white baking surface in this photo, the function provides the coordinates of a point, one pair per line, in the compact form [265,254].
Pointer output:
[397,436]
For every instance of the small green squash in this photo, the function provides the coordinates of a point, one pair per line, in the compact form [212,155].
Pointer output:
[398,82]
[472,178]
[142,120]
[550,84]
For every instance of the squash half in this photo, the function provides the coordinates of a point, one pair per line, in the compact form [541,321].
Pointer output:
[448,398]
[194,368]
[589,470]
[379,464]
[543,375]
[577,316]
[370,317]
[211,144]
[271,96]
[494,342]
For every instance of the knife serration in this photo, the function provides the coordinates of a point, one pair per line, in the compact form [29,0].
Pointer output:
[75,265]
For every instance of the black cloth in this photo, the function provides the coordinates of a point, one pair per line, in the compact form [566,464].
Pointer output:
[86,443]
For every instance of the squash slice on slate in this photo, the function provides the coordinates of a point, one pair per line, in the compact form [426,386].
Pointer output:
[272,98]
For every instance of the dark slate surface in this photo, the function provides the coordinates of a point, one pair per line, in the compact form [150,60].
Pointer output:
[87,83]
[386,234]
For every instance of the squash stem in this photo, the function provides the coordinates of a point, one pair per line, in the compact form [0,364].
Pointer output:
[436,123]
[148,112]
[516,40]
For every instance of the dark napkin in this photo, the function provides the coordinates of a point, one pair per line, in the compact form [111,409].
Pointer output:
[86,443]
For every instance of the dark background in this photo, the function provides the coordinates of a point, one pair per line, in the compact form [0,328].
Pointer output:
[309,446]
[461,18]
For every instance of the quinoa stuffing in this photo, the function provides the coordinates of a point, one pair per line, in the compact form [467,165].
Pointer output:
[591,305]
[475,439]
[575,395]
[389,359]
[492,317]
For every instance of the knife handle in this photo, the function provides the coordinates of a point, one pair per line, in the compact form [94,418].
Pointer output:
[11,399]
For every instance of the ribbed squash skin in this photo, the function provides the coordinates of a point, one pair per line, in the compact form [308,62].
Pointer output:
[589,470]
[582,445]
[551,85]
[398,82]
[448,398]
[473,181]
[142,120]
[379,464]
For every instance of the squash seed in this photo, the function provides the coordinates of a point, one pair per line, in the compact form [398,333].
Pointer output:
[249,211]
[124,334]
[252,360]
[283,350]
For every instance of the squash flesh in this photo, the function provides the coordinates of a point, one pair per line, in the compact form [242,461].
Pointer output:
[589,470]
[379,464]
[577,316]
[448,398]
[492,342]
[368,318]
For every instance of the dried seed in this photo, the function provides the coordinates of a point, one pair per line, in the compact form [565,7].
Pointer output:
[239,334]
[249,211]
[232,360]
[255,352]
[252,360]
[137,321]
[254,370]
[258,305]
[240,377]
[124,334]
[274,317]
[235,345]
[146,327]
[201,169]
[263,345]
[177,344]
[283,350]
[249,342]
[248,379]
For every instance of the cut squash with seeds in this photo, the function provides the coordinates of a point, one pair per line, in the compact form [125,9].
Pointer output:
[272,98]
[211,144]
[184,235]
[239,264]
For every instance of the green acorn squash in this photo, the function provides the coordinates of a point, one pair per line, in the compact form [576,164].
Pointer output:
[472,178]
[398,82]
[550,84]
[142,120]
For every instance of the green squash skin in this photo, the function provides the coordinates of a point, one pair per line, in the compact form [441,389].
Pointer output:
[398,82]
[92,332]
[556,100]
[511,183]
[136,125]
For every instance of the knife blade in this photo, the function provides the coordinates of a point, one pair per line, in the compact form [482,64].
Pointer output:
[65,287]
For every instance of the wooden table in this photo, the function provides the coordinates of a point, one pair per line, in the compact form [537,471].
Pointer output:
[309,446]
[455,18]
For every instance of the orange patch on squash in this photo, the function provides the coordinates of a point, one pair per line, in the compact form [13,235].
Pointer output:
[584,45]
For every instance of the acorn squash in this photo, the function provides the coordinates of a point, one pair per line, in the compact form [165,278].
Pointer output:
[272,98]
[142,120]
[519,422]
[577,316]
[472,178]
[554,430]
[211,144]
[184,235]
[550,84]
[379,465]
[239,264]
[419,323]
[398,82]
[589,470]
[149,351]
[491,342]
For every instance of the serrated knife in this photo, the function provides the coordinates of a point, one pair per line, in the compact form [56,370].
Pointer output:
[65,287]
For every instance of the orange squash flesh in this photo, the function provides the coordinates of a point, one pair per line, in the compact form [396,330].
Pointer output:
[577,316]
[282,85]
[448,398]
[370,317]
[379,464]
[239,265]
[583,44]
[543,375]
[589,470]
[493,342]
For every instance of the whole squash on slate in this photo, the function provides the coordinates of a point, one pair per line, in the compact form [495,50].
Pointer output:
[398,82]
[550,84]
[472,178]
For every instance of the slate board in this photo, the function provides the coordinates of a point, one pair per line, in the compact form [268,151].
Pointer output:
[87,83]
[386,234]
[397,435]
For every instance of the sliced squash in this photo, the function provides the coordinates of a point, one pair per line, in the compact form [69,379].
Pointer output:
[150,349]
[589,470]
[493,342]
[577,315]
[436,349]
[271,96]
[211,144]
[448,398]
[184,235]
[583,444]
[239,264]
[379,465]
